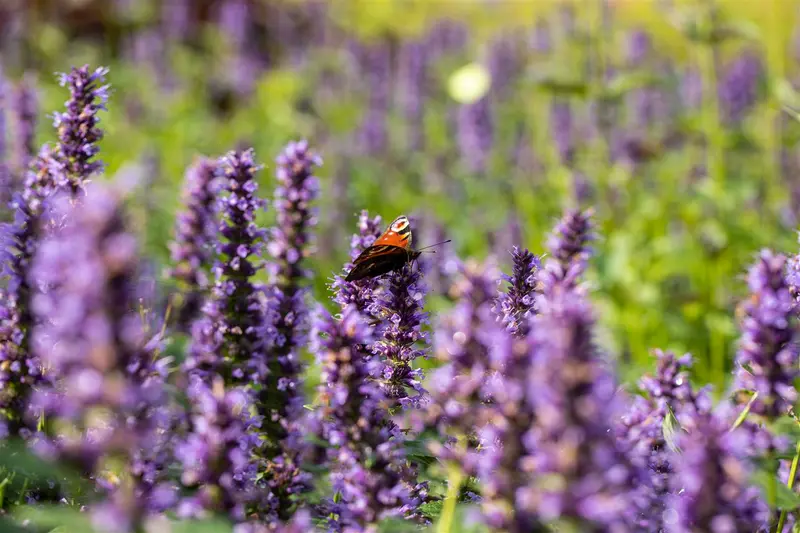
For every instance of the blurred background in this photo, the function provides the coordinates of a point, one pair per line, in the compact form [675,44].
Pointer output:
[483,119]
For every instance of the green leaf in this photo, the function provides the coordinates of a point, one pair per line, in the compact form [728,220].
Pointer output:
[209,525]
[743,415]
[670,428]
[66,519]
[7,525]
[786,498]
[16,457]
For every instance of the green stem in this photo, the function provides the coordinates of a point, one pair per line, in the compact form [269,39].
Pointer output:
[454,479]
[790,484]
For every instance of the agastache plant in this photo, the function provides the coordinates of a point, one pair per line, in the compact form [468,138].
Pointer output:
[20,369]
[582,473]
[290,244]
[671,400]
[568,244]
[712,491]
[463,341]
[24,141]
[516,306]
[218,453]
[768,349]
[281,395]
[109,393]
[78,126]
[505,464]
[231,338]
[366,450]
[195,231]
[403,338]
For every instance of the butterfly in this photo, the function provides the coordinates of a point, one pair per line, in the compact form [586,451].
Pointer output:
[389,252]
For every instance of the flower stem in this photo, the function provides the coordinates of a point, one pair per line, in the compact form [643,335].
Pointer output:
[454,479]
[790,484]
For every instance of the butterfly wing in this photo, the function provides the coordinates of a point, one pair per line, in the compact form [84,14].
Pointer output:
[389,252]
[376,260]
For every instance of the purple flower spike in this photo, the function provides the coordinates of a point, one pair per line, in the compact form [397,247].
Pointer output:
[195,230]
[463,341]
[78,130]
[568,244]
[768,348]
[290,244]
[6,181]
[516,307]
[230,338]
[109,401]
[403,339]
[217,454]
[505,465]
[369,468]
[359,293]
[475,132]
[20,370]
[739,87]
[712,493]
[641,429]
[25,107]
[582,472]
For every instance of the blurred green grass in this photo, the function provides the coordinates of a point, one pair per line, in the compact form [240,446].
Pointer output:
[674,240]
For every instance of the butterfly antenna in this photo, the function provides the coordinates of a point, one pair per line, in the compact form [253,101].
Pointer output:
[432,245]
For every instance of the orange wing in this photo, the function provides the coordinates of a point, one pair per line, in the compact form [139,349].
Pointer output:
[397,234]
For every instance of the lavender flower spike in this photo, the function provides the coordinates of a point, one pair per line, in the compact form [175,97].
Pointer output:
[217,454]
[230,338]
[195,230]
[290,243]
[359,293]
[78,130]
[281,393]
[711,493]
[768,349]
[582,473]
[25,107]
[568,244]
[505,466]
[366,449]
[20,370]
[402,338]
[92,338]
[515,307]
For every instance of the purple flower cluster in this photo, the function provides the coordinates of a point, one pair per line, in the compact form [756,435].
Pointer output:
[712,492]
[582,472]
[475,133]
[516,307]
[25,107]
[739,87]
[195,231]
[218,454]
[232,336]
[668,394]
[20,370]
[463,341]
[359,293]
[505,466]
[109,396]
[366,452]
[289,245]
[78,130]
[569,241]
[768,349]
[402,338]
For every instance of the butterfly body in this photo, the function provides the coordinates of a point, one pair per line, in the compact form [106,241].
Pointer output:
[389,252]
